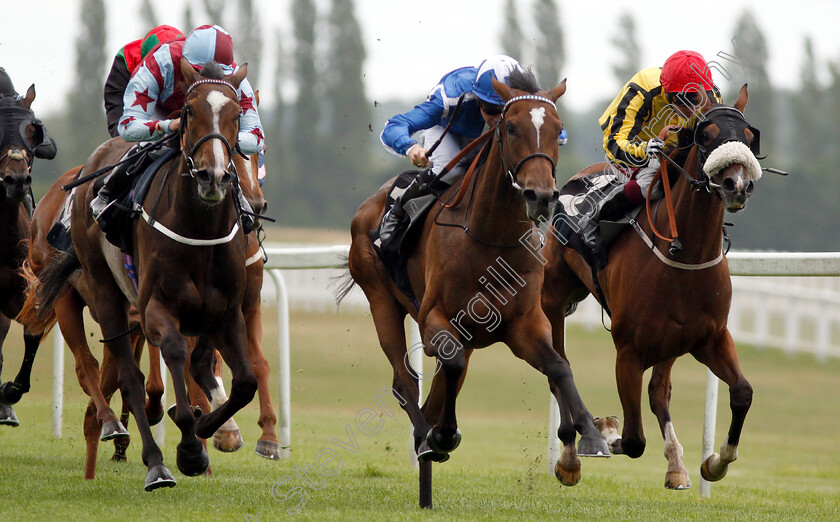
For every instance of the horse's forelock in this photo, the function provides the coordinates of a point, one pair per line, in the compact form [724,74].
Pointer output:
[523,80]
[213,71]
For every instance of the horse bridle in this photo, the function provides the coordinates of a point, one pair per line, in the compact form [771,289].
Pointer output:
[14,153]
[193,148]
[730,121]
[506,163]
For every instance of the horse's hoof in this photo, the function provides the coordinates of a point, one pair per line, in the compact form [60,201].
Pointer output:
[567,477]
[112,429]
[227,441]
[154,412]
[677,480]
[192,463]
[593,447]
[119,457]
[442,444]
[10,393]
[267,450]
[706,468]
[159,477]
[427,454]
[8,417]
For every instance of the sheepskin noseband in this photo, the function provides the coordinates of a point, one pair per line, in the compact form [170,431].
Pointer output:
[732,152]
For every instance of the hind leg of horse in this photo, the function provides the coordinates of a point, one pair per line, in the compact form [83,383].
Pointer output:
[722,358]
[628,377]
[659,393]
[154,382]
[530,340]
[388,319]
[232,344]
[7,413]
[267,445]
[68,311]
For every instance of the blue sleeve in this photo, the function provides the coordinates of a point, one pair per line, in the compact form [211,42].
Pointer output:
[396,136]
[564,137]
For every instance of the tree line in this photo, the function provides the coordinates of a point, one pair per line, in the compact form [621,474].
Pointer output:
[324,158]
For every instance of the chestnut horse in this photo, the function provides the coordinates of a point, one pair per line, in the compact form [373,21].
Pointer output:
[100,423]
[15,164]
[458,309]
[663,305]
[190,259]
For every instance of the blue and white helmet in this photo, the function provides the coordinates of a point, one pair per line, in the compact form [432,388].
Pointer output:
[498,67]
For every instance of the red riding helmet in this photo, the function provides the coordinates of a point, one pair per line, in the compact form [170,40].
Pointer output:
[686,71]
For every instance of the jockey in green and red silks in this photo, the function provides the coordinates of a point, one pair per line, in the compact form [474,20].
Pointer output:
[155,88]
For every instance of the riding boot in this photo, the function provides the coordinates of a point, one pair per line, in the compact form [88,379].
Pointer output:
[115,183]
[246,212]
[392,227]
[613,202]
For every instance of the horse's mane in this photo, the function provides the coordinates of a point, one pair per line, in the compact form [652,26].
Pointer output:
[213,70]
[523,80]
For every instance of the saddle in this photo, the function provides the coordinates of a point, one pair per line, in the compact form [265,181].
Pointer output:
[118,228]
[578,198]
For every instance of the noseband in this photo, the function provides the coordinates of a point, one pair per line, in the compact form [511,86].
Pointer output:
[12,154]
[506,163]
[193,148]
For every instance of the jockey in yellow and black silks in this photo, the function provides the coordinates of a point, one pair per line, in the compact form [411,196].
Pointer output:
[653,99]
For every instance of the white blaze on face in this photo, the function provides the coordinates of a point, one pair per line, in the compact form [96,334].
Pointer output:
[217,100]
[538,118]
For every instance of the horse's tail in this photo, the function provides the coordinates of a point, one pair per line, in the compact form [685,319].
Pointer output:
[344,283]
[38,312]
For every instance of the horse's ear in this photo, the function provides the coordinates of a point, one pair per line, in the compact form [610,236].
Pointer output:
[257,97]
[189,72]
[558,91]
[502,89]
[236,78]
[741,102]
[29,98]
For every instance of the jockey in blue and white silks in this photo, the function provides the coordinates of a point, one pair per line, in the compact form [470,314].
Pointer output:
[480,105]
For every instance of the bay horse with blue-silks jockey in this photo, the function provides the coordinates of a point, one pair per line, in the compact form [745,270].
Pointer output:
[189,253]
[667,302]
[485,233]
[15,164]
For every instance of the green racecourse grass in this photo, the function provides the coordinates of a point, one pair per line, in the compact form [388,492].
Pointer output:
[788,466]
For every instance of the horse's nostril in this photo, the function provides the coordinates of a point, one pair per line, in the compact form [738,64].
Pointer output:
[530,195]
[225,179]
[203,175]
[554,196]
[9,181]
[728,185]
[27,181]
[750,187]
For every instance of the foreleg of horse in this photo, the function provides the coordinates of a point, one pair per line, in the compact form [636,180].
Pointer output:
[232,345]
[659,393]
[530,340]
[7,413]
[109,376]
[206,375]
[439,341]
[437,391]
[628,378]
[198,399]
[192,458]
[722,359]
[114,322]
[11,392]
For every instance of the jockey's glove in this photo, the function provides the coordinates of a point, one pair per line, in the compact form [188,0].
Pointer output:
[654,147]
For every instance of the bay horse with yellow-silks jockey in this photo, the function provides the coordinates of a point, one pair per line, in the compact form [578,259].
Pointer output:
[189,254]
[481,232]
[667,301]
[16,134]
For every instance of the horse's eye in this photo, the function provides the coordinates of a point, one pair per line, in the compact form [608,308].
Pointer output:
[510,128]
[704,137]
